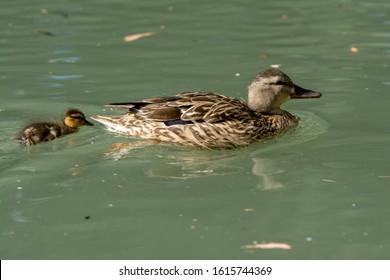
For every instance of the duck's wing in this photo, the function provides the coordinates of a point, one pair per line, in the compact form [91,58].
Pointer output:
[187,107]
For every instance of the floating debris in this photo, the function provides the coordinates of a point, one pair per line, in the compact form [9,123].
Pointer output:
[131,38]
[271,245]
[46,33]
[354,50]
[46,11]
[328,180]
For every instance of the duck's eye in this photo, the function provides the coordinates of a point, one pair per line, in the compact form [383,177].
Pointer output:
[279,83]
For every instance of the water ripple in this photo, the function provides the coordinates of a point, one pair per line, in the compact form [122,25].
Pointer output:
[63,77]
[72,59]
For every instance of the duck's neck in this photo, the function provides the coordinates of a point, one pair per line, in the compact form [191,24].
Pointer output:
[265,104]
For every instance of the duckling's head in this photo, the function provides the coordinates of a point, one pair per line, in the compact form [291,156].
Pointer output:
[75,118]
[271,88]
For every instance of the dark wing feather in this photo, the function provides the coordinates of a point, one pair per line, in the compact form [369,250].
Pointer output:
[142,103]
[165,114]
[127,105]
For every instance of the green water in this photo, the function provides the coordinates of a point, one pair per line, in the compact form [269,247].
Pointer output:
[323,189]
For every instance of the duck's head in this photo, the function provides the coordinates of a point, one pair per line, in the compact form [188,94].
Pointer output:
[272,88]
[75,118]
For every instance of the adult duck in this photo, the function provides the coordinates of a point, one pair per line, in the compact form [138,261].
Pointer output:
[211,120]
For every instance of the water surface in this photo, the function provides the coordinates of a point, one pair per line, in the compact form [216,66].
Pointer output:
[322,189]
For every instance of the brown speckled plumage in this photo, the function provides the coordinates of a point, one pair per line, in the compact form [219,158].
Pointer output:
[38,132]
[210,120]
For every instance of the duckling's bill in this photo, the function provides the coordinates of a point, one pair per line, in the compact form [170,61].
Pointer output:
[87,123]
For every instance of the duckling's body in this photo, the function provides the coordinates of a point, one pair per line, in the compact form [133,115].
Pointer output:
[38,132]
[211,120]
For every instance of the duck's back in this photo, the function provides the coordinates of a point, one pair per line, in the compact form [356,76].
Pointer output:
[187,107]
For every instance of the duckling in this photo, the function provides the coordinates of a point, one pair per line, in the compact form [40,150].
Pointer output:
[38,132]
[211,120]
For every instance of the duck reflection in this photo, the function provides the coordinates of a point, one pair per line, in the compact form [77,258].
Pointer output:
[188,166]
[183,163]
[266,169]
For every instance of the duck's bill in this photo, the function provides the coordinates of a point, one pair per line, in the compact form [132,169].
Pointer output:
[305,93]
